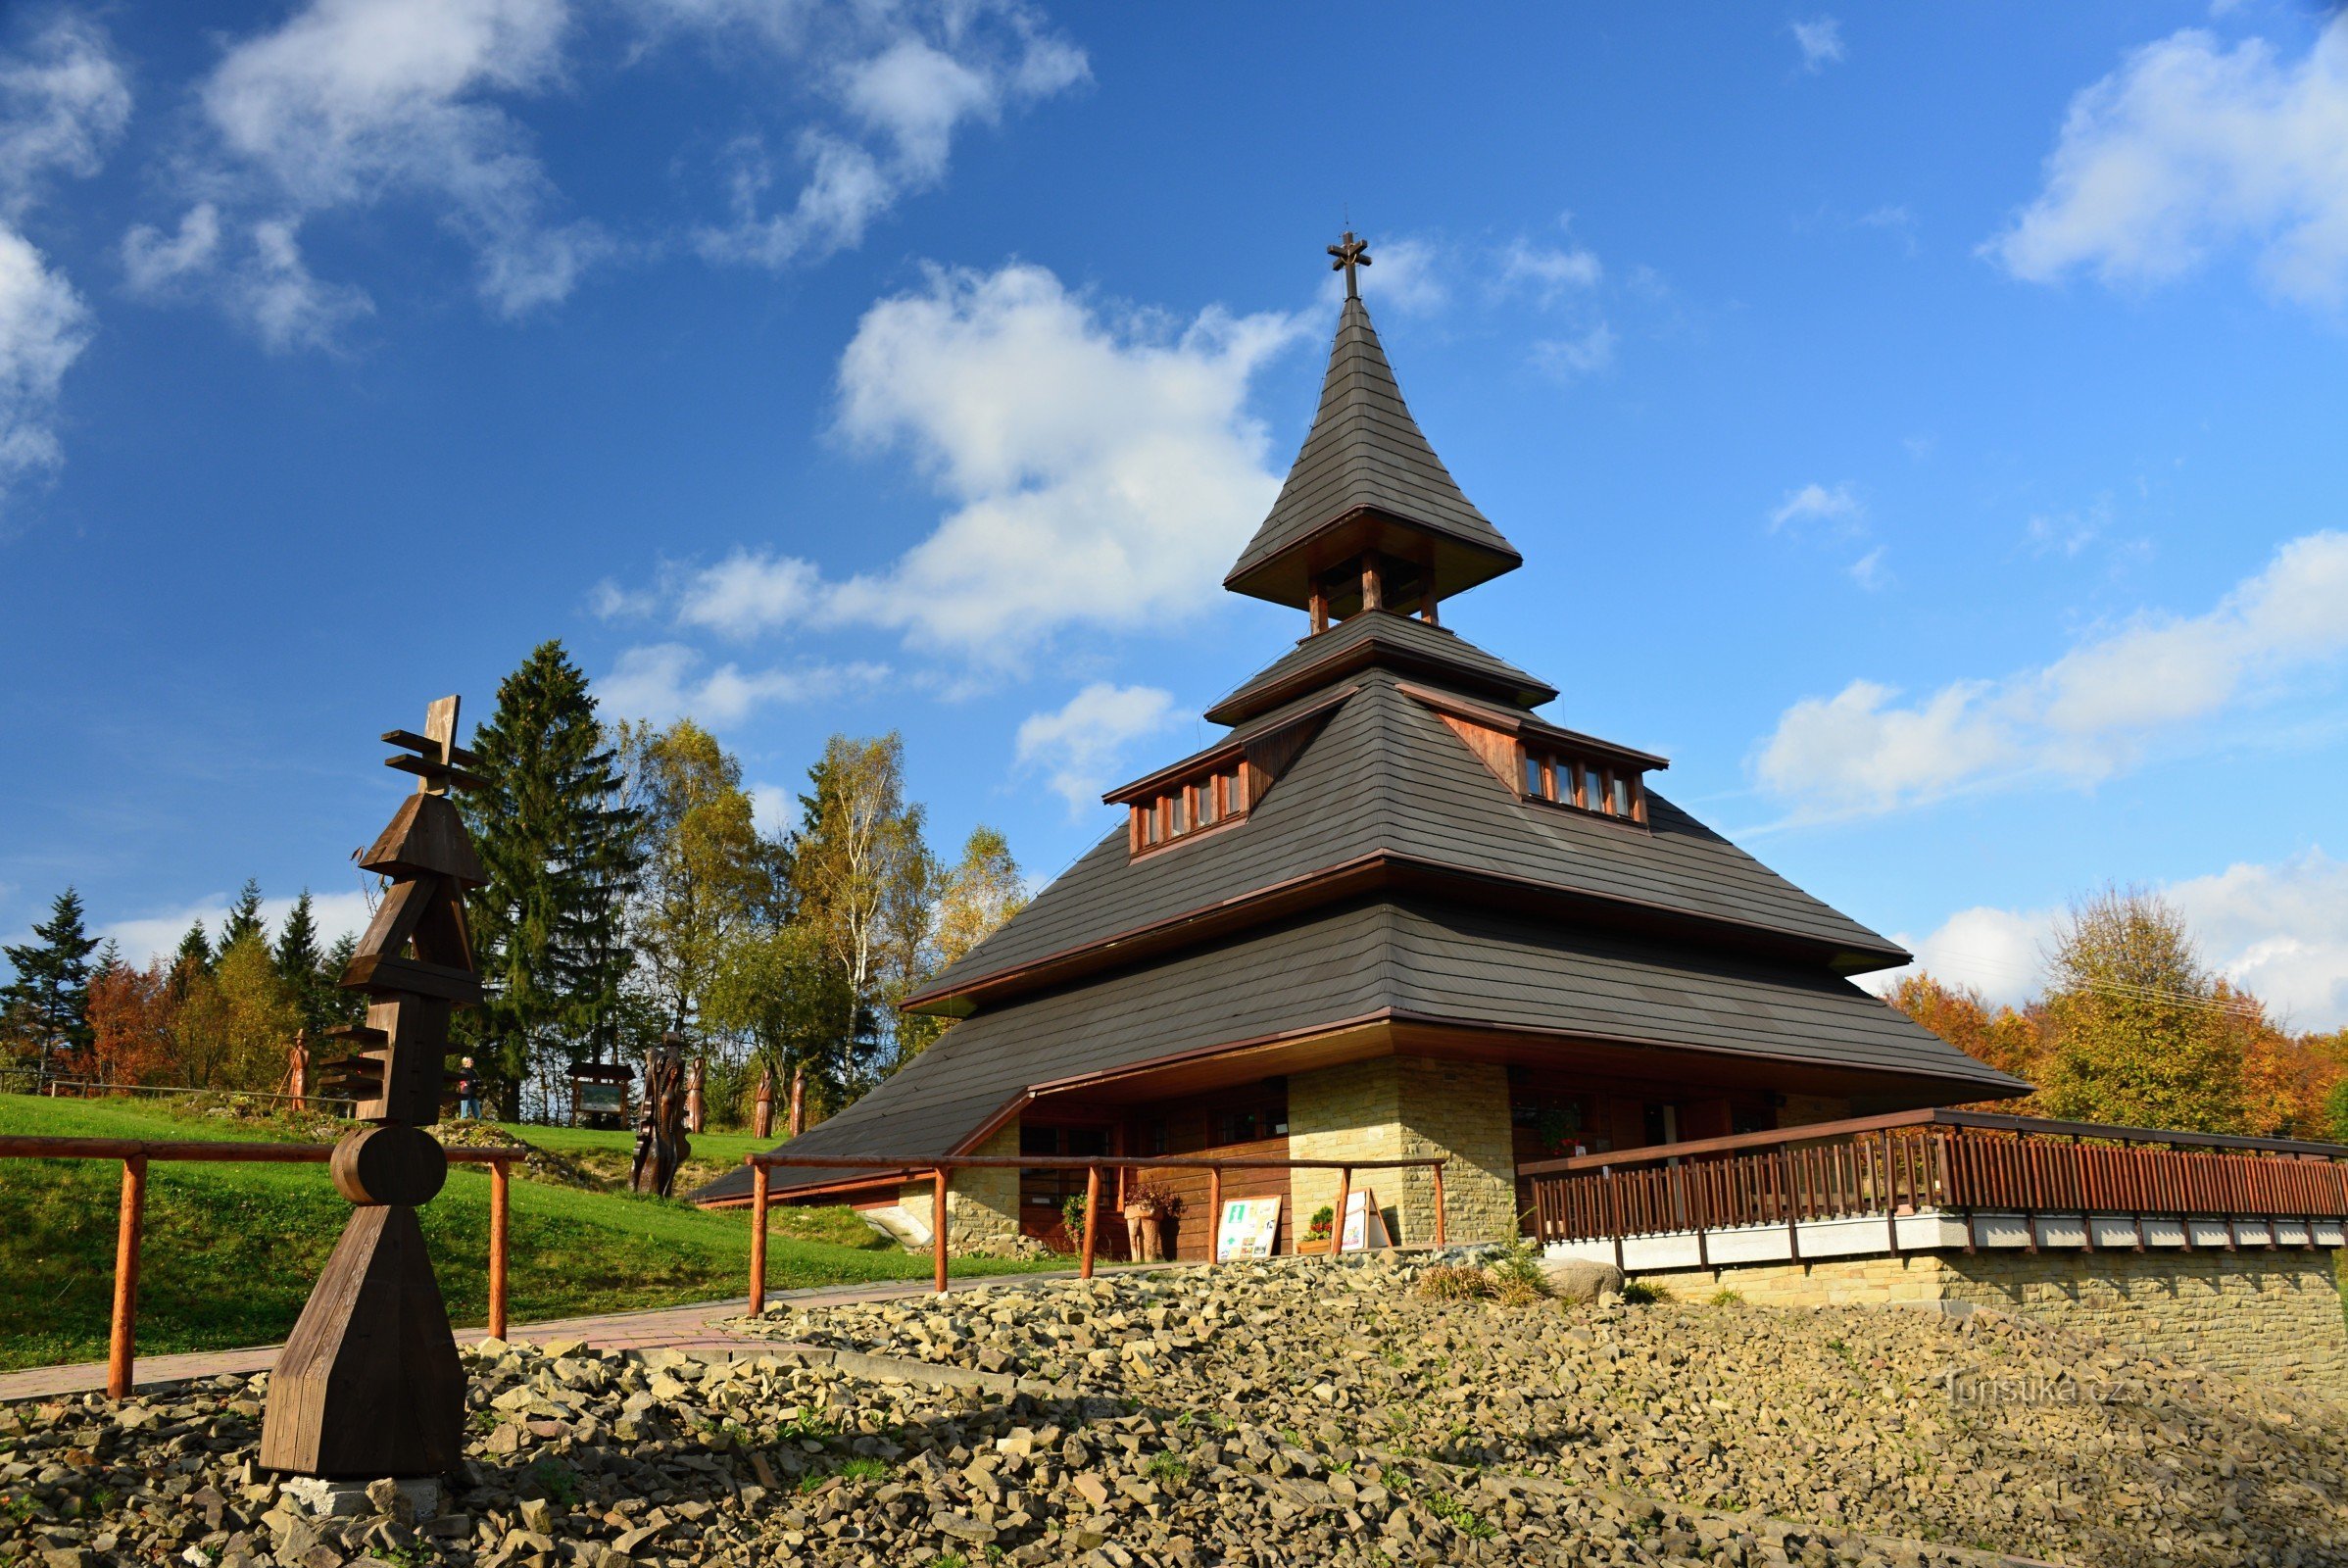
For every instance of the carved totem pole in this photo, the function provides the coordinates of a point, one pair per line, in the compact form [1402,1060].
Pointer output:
[370,1384]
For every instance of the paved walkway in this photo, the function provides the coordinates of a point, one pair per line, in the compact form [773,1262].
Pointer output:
[666,1328]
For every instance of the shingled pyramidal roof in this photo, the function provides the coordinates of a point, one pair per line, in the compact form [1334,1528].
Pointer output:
[1387,866]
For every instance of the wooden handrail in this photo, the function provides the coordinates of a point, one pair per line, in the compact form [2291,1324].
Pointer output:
[1984,1121]
[136,1154]
[1960,1162]
[938,1169]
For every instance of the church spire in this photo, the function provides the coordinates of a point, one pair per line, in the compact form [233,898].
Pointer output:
[1369,516]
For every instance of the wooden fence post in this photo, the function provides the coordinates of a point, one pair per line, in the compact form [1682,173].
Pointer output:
[1337,1221]
[937,1230]
[1438,1203]
[122,1332]
[499,1224]
[758,1178]
[1215,1211]
[1091,1219]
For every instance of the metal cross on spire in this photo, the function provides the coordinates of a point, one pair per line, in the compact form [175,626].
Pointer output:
[1351,253]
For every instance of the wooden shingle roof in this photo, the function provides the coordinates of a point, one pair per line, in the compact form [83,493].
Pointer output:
[1365,458]
[1412,961]
[1379,637]
[1385,784]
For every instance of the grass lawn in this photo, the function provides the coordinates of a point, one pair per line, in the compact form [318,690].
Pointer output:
[609,1154]
[230,1250]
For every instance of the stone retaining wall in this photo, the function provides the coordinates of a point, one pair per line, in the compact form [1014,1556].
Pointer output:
[2248,1314]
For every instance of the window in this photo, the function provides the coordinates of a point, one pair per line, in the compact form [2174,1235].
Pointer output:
[1185,808]
[1584,786]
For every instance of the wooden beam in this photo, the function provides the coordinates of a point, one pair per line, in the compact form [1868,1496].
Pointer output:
[760,1177]
[500,1228]
[1091,1219]
[937,1229]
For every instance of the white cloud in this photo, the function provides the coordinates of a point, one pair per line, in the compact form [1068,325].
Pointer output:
[2189,148]
[64,103]
[2280,931]
[2081,718]
[665,681]
[350,102]
[1548,272]
[1076,744]
[751,591]
[1571,358]
[773,808]
[901,96]
[147,938]
[1839,506]
[1101,467]
[1820,40]
[1870,572]
[44,329]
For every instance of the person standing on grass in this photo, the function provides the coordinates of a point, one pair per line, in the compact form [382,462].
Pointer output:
[468,1091]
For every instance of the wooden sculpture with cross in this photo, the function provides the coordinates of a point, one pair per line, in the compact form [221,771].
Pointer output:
[370,1384]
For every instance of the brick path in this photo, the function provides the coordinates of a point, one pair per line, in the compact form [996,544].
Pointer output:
[676,1327]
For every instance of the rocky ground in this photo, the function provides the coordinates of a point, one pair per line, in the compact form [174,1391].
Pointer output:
[1298,1412]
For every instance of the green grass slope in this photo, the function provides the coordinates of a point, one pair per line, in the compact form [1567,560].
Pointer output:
[231,1249]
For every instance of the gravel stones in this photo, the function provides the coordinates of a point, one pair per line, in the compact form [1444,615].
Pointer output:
[1284,1413]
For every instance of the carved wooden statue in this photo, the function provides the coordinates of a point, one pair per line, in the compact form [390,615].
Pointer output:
[370,1384]
[664,1145]
[761,1118]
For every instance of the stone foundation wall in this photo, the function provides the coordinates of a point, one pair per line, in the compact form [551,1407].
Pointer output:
[982,1207]
[1397,1107]
[2249,1314]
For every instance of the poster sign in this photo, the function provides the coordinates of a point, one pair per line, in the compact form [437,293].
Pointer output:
[1247,1228]
[1365,1226]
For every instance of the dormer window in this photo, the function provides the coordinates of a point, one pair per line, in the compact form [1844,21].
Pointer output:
[1604,789]
[1182,808]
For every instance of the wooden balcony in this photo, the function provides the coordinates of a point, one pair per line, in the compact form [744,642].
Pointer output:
[1937,1179]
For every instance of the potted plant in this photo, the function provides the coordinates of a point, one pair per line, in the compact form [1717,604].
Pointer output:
[1316,1234]
[1149,1203]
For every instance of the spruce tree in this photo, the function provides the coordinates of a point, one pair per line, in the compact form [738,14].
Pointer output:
[195,952]
[244,916]
[298,961]
[47,1005]
[560,847]
[337,1007]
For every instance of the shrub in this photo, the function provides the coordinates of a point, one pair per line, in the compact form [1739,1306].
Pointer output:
[1448,1282]
[1517,1278]
[1323,1219]
[1639,1292]
[1724,1297]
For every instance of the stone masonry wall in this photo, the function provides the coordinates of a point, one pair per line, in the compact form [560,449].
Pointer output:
[2246,1314]
[1458,1108]
[982,1207]
[1397,1107]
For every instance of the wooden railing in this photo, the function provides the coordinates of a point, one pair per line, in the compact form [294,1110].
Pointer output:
[939,1171]
[1956,1162]
[131,1221]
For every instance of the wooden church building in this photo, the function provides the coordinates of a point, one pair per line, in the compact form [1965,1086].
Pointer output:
[1394,911]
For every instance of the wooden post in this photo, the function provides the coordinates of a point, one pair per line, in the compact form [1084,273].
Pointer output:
[500,1225]
[123,1331]
[937,1230]
[1438,1164]
[759,1177]
[1336,1219]
[1214,1211]
[1091,1219]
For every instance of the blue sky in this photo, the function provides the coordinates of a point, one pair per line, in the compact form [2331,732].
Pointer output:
[1923,424]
